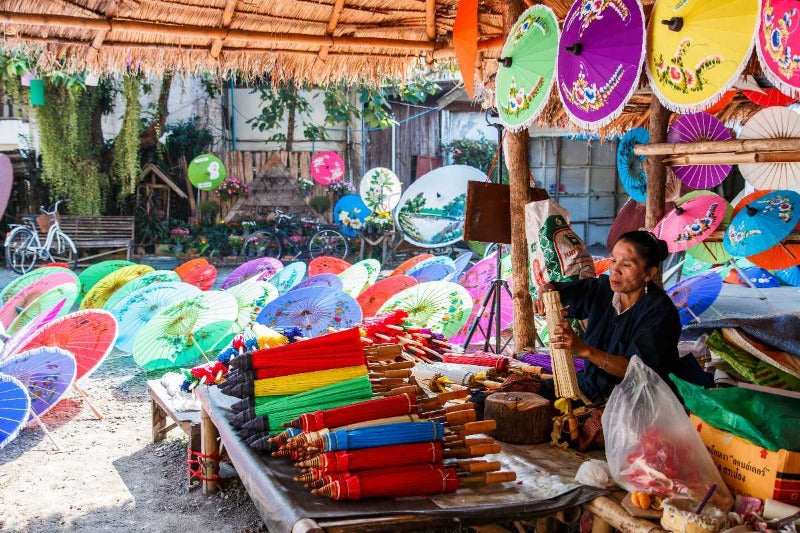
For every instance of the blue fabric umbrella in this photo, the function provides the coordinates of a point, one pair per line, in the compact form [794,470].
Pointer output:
[694,295]
[288,276]
[14,406]
[384,435]
[437,268]
[790,276]
[331,281]
[350,213]
[313,310]
[47,373]
[629,165]
[762,223]
[761,278]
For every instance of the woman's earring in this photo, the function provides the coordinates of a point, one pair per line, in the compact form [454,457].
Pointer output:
[645,288]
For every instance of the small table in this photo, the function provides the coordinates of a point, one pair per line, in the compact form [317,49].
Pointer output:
[165,418]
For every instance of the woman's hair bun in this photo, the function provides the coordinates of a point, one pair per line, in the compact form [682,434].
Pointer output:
[663,249]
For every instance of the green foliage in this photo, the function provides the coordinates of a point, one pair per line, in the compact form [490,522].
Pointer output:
[150,229]
[187,138]
[208,210]
[320,204]
[277,101]
[125,150]
[478,154]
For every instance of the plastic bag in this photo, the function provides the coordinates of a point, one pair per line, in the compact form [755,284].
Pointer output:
[651,445]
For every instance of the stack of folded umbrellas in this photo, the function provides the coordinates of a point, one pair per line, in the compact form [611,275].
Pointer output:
[500,363]
[418,344]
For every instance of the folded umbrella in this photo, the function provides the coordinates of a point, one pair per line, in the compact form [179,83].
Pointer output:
[385,435]
[389,406]
[378,457]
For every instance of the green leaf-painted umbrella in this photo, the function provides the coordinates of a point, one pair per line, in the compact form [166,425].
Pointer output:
[17,284]
[441,306]
[98,271]
[360,276]
[156,276]
[186,331]
[251,296]
[527,67]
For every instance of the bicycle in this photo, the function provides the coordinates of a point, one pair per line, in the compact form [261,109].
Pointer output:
[287,236]
[24,248]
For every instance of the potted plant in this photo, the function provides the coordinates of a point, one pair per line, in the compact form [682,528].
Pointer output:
[305,185]
[235,242]
[179,237]
[233,189]
[248,227]
[377,223]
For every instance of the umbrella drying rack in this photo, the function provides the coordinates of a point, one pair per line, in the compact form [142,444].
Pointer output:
[724,152]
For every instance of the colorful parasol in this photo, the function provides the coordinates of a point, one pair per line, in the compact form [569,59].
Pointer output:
[330,281]
[376,295]
[694,295]
[251,297]
[380,189]
[14,306]
[630,166]
[506,315]
[12,345]
[777,44]
[402,404]
[256,267]
[480,275]
[350,213]
[697,50]
[710,252]
[769,97]
[327,265]
[630,218]
[156,276]
[288,277]
[87,335]
[327,168]
[98,271]
[782,256]
[601,266]
[439,268]
[692,266]
[461,262]
[465,43]
[771,123]
[186,267]
[723,102]
[762,279]
[527,66]
[313,310]
[186,331]
[790,276]
[360,276]
[14,406]
[691,222]
[441,306]
[103,289]
[698,127]
[406,265]
[600,55]
[198,272]
[19,283]
[47,374]
[68,293]
[134,311]
[763,223]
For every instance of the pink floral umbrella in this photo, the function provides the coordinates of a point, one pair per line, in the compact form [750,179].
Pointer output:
[692,222]
[327,168]
[506,315]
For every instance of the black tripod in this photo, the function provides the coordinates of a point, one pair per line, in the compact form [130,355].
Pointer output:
[493,298]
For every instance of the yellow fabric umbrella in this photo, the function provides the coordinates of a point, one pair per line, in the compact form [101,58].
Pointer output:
[104,288]
[696,49]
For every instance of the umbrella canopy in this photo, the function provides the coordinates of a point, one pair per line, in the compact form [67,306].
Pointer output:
[441,306]
[288,277]
[697,50]
[14,306]
[790,276]
[376,295]
[436,268]
[461,262]
[723,102]
[136,310]
[350,213]
[268,266]
[406,265]
[12,345]
[251,297]
[313,310]
[691,222]
[630,166]
[769,97]
[629,218]
[694,295]
[98,271]
[771,123]
[762,279]
[19,283]
[763,223]
[185,331]
[103,289]
[14,406]
[692,266]
[710,252]
[526,69]
[506,315]
[47,374]
[599,58]
[68,293]
[327,265]
[331,281]
[782,256]
[327,167]
[480,275]
[6,183]
[694,128]
[156,276]
[380,189]
[197,272]
[360,276]
[777,44]
[87,335]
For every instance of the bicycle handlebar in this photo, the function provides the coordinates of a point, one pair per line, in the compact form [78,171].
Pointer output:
[53,208]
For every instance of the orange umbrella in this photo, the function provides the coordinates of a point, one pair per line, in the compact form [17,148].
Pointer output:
[722,103]
[198,272]
[376,295]
[733,278]
[186,267]
[406,265]
[602,265]
[327,265]
[465,42]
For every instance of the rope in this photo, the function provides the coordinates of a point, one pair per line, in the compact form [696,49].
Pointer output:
[197,461]
[496,155]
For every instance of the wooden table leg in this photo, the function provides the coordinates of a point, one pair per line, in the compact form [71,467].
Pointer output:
[209,435]
[159,421]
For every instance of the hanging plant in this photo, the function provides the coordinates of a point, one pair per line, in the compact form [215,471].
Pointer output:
[125,151]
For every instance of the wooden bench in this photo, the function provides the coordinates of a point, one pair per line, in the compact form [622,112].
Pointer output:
[165,418]
[114,232]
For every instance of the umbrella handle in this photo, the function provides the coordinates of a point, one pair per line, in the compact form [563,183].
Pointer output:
[44,428]
[674,24]
[199,349]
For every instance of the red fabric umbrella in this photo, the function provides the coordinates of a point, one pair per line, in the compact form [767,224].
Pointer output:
[465,42]
[393,485]
[198,272]
[330,345]
[327,265]
[602,265]
[382,456]
[376,295]
[771,97]
[55,264]
[479,359]
[317,478]
[402,404]
[726,98]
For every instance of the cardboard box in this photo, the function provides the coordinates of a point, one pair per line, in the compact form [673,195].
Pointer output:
[749,469]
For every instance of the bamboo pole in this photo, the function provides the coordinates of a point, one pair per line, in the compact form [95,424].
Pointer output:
[656,170]
[733,158]
[706,147]
[227,17]
[99,37]
[490,43]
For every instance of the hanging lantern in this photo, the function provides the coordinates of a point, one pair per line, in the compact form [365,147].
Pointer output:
[37,92]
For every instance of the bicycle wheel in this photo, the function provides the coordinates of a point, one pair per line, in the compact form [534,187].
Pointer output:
[63,250]
[262,244]
[20,255]
[327,242]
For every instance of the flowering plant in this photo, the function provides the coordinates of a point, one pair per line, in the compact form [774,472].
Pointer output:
[341,188]
[235,242]
[179,235]
[305,185]
[377,222]
[233,188]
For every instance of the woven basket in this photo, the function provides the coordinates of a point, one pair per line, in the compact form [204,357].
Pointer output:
[46,221]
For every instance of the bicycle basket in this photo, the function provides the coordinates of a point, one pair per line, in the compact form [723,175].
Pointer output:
[45,221]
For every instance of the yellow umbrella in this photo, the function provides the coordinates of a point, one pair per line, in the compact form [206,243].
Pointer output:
[696,49]
[103,289]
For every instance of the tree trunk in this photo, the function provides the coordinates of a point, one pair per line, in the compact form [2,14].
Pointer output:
[149,137]
[355,161]
[290,121]
[655,168]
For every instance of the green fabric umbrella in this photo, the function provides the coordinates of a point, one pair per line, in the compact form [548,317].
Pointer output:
[24,280]
[527,67]
[67,291]
[98,271]
[156,276]
[441,306]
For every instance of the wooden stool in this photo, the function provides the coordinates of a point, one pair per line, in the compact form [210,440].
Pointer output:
[165,418]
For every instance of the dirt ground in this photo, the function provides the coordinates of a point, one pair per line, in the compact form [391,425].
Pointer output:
[108,475]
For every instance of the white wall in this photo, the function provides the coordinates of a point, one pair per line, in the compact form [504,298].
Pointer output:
[10,132]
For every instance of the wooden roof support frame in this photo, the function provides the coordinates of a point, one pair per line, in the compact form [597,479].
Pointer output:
[227,17]
[110,12]
[338,7]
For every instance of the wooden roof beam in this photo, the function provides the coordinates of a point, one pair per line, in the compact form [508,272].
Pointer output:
[227,17]
[430,19]
[489,43]
[338,7]
[110,12]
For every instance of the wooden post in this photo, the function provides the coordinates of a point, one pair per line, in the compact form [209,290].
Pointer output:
[655,168]
[208,435]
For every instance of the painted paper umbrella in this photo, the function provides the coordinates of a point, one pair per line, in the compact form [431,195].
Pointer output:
[526,69]
[631,166]
[156,276]
[331,281]
[16,340]
[376,295]
[268,266]
[692,266]
[327,265]
[762,279]
[480,275]
[327,168]
[14,406]
[763,223]
[350,213]
[98,271]
[790,276]
[602,265]
[14,306]
[87,335]
[441,306]
[482,315]
[777,44]
[288,276]
[769,97]
[19,283]
[313,310]
[360,276]
[772,123]
[698,127]
[630,218]
[136,310]
[198,272]
[696,50]
[785,254]
[600,55]
[186,331]
[406,265]
[694,295]
[710,252]
[67,292]
[47,374]
[6,182]
[691,222]
[439,268]
[103,289]
[380,189]
[462,263]
[251,297]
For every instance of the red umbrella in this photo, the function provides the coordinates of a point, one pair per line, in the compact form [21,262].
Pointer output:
[393,485]
[327,265]
[601,266]
[629,218]
[376,295]
[465,42]
[499,362]
[726,98]
[406,265]
[771,97]
[55,264]
[317,478]
[198,272]
[402,404]
[382,456]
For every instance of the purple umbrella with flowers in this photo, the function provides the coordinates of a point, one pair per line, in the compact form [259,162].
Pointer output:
[694,128]
[264,267]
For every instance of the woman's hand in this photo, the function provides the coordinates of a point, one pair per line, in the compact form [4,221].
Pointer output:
[538,303]
[564,337]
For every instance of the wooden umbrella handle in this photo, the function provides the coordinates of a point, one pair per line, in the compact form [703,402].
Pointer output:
[488,478]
